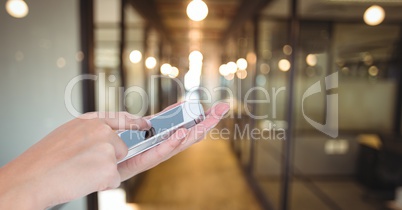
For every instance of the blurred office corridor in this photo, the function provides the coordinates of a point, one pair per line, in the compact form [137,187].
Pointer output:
[314,88]
[205,176]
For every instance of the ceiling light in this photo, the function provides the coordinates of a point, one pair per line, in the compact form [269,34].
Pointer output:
[287,50]
[17,8]
[135,56]
[174,72]
[195,56]
[241,74]
[150,62]
[197,10]
[311,60]
[284,65]
[166,69]
[229,76]
[373,71]
[191,80]
[232,67]
[223,70]
[374,15]
[242,64]
[251,58]
[265,68]
[368,59]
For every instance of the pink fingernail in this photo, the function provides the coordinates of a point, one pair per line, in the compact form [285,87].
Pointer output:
[224,112]
[148,122]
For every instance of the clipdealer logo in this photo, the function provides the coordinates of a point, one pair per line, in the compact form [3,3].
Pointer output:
[330,127]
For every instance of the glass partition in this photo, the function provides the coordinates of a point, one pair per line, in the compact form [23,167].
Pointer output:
[345,96]
[107,55]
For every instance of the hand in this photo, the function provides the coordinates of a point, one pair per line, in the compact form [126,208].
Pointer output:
[72,161]
[80,157]
[179,141]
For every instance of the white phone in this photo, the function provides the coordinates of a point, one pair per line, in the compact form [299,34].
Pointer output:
[164,124]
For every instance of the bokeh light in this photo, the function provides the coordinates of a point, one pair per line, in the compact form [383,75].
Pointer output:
[232,67]
[265,68]
[150,62]
[195,56]
[135,56]
[374,15]
[373,71]
[241,64]
[166,69]
[311,60]
[229,76]
[284,65]
[223,70]
[197,10]
[241,74]
[174,72]
[287,50]
[17,8]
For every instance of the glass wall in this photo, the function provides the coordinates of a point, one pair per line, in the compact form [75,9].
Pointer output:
[107,40]
[344,104]
[40,56]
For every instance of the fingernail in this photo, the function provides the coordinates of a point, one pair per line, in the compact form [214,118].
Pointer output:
[210,128]
[148,122]
[224,112]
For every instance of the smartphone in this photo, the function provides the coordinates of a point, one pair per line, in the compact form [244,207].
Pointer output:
[164,124]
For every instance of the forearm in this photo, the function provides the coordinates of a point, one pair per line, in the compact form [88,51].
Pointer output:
[15,195]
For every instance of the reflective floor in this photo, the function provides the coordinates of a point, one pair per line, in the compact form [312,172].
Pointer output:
[334,193]
[205,176]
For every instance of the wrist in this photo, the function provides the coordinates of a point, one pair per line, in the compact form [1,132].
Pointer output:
[17,195]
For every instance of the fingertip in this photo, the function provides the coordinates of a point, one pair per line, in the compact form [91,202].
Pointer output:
[148,122]
[222,109]
[122,153]
[138,123]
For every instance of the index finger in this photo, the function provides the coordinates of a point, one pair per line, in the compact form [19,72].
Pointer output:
[165,109]
[121,120]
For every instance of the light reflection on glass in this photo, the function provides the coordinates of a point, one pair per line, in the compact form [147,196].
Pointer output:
[17,8]
[229,76]
[61,62]
[374,15]
[135,56]
[261,80]
[265,68]
[191,80]
[241,74]
[197,10]
[311,60]
[373,71]
[241,64]
[150,62]
[223,70]
[284,65]
[368,59]
[166,69]
[251,58]
[287,50]
[195,56]
[174,72]
[232,67]
[79,56]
